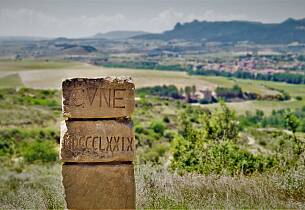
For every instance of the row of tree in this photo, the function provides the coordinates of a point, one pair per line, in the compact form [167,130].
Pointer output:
[140,65]
[188,92]
[228,93]
[277,77]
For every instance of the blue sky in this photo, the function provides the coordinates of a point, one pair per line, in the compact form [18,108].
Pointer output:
[80,18]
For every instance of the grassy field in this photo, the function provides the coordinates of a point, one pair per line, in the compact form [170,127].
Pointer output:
[266,106]
[42,74]
[261,87]
[246,85]
[22,65]
[29,116]
[49,74]
[10,81]
[52,73]
[39,187]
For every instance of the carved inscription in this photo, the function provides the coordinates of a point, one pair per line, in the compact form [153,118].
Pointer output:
[98,141]
[109,98]
[98,98]
[100,144]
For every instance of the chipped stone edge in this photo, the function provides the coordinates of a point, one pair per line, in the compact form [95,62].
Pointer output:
[119,79]
[63,131]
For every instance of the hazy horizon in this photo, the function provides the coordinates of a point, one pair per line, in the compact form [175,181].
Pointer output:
[76,18]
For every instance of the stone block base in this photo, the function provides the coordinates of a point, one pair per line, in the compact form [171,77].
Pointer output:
[99,186]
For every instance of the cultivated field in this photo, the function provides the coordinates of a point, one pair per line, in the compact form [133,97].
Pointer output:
[49,74]
[40,75]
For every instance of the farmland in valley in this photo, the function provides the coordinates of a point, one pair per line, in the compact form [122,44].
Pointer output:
[41,74]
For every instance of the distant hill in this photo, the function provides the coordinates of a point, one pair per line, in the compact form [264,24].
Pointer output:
[119,34]
[22,38]
[289,31]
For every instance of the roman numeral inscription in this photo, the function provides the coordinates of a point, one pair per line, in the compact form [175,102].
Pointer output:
[94,98]
[97,143]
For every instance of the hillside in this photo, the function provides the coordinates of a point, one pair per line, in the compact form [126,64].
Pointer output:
[30,175]
[291,30]
[119,34]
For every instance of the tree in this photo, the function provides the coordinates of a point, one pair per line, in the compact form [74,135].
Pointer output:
[210,146]
[181,91]
[259,114]
[158,127]
[187,91]
[221,125]
[292,123]
[193,90]
[228,93]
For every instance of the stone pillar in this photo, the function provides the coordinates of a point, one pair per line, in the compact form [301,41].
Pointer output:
[97,143]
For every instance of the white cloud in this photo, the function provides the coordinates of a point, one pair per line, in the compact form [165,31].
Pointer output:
[34,23]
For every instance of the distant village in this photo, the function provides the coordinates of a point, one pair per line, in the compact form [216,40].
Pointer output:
[266,64]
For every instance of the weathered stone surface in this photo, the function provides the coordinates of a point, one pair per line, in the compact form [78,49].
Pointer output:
[91,186]
[97,141]
[107,97]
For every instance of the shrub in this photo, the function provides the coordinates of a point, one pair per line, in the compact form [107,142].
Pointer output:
[32,144]
[204,101]
[302,126]
[292,122]
[7,146]
[166,119]
[139,129]
[158,127]
[169,135]
[228,93]
[218,158]
[162,91]
[212,148]
[20,134]
[154,154]
[42,151]
[299,98]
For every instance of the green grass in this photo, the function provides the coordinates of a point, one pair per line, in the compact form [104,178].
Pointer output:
[266,106]
[39,187]
[260,87]
[246,85]
[161,189]
[20,65]
[293,90]
[257,86]
[35,187]
[29,108]
[11,81]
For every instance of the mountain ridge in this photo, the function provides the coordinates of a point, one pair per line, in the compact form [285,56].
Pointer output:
[120,34]
[288,31]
